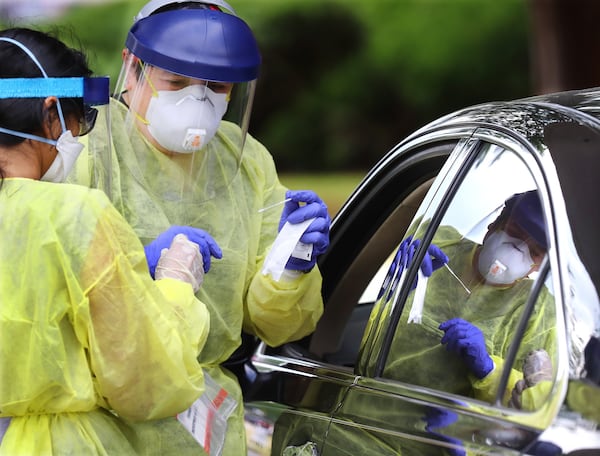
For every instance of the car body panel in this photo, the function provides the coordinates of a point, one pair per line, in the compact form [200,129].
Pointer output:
[332,390]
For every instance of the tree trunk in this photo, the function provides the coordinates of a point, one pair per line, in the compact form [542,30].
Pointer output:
[565,44]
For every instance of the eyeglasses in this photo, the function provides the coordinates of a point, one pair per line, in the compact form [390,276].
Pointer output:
[88,120]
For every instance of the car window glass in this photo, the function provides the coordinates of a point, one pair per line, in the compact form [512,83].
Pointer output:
[458,324]
[380,290]
[531,376]
[372,291]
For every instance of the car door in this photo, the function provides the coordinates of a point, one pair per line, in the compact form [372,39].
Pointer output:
[414,397]
[300,385]
[344,390]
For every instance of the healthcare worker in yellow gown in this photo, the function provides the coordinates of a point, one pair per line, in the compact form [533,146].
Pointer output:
[92,346]
[463,337]
[183,162]
[459,341]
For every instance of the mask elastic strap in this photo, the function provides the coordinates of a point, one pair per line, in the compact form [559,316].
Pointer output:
[154,91]
[20,134]
[26,50]
[140,118]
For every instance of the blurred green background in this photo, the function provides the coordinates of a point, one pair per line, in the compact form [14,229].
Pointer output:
[343,81]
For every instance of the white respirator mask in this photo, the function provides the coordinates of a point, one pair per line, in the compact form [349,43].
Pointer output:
[504,259]
[68,149]
[185,120]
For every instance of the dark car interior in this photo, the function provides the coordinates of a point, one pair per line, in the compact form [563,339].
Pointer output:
[338,335]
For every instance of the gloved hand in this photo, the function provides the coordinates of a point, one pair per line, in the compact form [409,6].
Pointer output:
[467,341]
[182,261]
[208,246]
[317,232]
[438,418]
[537,367]
[434,259]
[545,449]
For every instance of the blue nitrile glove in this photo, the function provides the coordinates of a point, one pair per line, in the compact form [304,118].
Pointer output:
[545,449]
[432,261]
[438,418]
[467,341]
[317,232]
[208,246]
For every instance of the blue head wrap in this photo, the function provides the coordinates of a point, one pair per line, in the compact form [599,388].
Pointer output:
[526,210]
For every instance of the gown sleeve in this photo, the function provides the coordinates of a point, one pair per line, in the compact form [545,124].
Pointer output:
[142,336]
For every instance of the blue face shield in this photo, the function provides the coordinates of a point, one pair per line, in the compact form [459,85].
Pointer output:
[186,102]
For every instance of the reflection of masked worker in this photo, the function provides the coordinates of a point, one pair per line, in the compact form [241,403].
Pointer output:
[478,327]
[182,157]
[515,243]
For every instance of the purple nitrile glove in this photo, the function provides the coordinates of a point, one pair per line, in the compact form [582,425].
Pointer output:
[541,448]
[317,232]
[208,246]
[432,261]
[467,341]
[440,418]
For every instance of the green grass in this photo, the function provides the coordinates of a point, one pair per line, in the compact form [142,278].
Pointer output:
[334,189]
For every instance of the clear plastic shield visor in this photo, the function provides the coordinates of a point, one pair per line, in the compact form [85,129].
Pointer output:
[182,137]
[84,99]
[98,149]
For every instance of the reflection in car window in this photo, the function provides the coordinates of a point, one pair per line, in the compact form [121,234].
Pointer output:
[532,376]
[461,317]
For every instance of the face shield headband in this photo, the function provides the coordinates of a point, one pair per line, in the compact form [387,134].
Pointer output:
[93,91]
[157,6]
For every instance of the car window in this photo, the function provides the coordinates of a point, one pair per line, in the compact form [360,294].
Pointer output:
[363,233]
[530,378]
[460,319]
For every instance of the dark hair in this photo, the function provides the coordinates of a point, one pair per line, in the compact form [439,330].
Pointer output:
[25,114]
